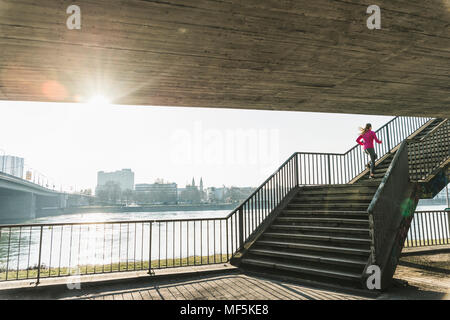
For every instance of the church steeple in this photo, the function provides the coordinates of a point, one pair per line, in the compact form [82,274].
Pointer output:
[201,184]
[193,182]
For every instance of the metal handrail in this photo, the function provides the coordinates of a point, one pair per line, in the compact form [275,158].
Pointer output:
[425,163]
[246,219]
[342,168]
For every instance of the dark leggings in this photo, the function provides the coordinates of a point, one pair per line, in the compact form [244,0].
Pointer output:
[373,157]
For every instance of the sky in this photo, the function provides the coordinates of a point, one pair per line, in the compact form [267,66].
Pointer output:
[70,143]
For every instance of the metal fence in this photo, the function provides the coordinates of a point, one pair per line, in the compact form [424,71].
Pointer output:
[62,249]
[51,250]
[429,228]
[334,168]
[36,251]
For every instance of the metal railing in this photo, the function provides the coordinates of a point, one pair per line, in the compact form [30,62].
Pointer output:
[333,168]
[52,250]
[428,154]
[429,228]
[37,251]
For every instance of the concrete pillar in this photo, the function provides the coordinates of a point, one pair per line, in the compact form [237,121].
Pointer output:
[32,206]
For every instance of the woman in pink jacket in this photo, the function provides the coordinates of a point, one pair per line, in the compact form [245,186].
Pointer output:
[368,136]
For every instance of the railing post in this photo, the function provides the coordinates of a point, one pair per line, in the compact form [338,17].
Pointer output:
[241,226]
[40,255]
[296,171]
[329,169]
[388,139]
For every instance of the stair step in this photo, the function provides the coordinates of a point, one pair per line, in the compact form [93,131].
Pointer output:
[311,206]
[314,247]
[300,269]
[323,220]
[308,257]
[345,197]
[324,212]
[298,236]
[322,229]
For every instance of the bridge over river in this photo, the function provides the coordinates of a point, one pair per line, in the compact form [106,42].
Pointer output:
[20,198]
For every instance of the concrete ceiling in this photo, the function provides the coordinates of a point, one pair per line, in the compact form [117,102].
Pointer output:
[297,55]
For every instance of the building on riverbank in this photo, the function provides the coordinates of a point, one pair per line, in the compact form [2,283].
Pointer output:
[146,193]
[124,178]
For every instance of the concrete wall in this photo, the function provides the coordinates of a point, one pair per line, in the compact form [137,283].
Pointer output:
[24,205]
[20,205]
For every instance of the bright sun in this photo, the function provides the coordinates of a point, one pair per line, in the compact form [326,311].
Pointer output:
[98,101]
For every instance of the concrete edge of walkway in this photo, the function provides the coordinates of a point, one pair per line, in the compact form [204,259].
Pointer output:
[436,249]
[316,284]
[60,285]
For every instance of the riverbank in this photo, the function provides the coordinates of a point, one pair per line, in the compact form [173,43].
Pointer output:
[116,209]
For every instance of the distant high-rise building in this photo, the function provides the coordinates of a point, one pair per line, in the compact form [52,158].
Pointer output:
[201,184]
[193,182]
[12,165]
[124,178]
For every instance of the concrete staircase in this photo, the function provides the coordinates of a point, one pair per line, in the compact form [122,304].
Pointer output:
[323,234]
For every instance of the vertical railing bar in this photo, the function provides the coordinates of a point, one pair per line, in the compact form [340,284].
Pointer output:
[167,230]
[39,256]
[423,230]
[194,245]
[173,244]
[437,228]
[447,227]
[187,241]
[142,246]
[60,250]
[70,251]
[87,248]
[221,242]
[214,235]
[112,246]
[207,239]
[150,227]
[201,242]
[51,249]
[135,234]
[128,242]
[79,249]
[228,252]
[95,247]
[7,256]
[159,245]
[440,226]
[181,244]
[18,254]
[29,252]
[104,248]
[120,243]
[415,230]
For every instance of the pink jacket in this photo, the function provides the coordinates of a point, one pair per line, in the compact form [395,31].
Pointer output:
[368,138]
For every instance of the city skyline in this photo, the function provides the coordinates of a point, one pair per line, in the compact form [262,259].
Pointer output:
[70,143]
